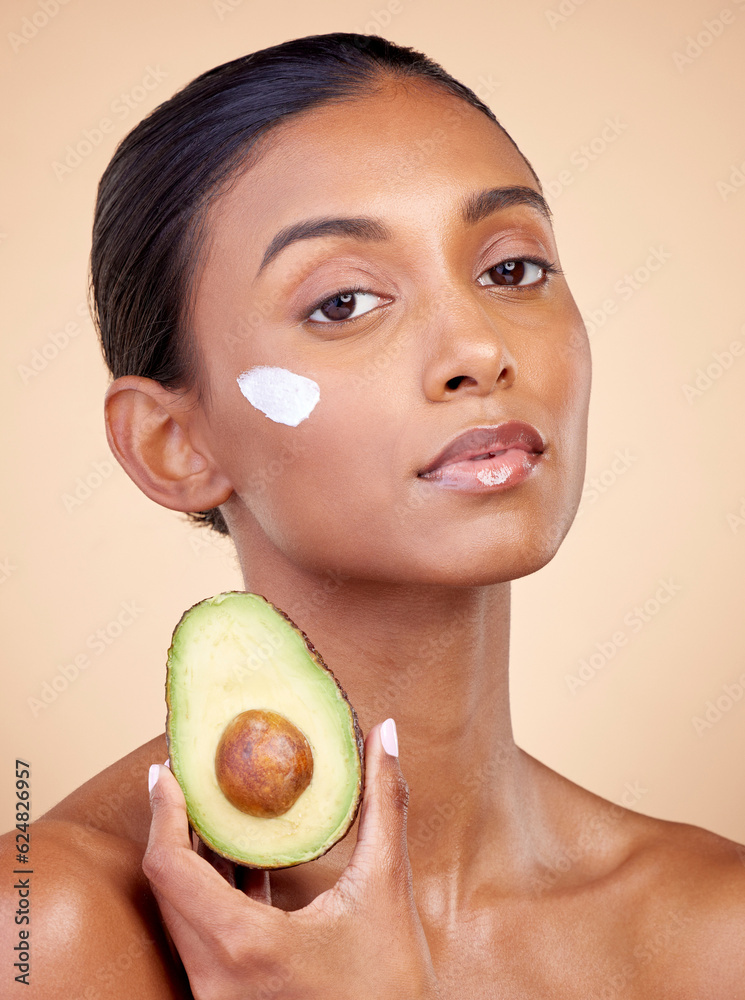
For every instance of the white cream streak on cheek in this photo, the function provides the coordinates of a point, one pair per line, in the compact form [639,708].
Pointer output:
[283,396]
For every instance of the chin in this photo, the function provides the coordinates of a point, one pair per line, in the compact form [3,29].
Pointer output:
[499,561]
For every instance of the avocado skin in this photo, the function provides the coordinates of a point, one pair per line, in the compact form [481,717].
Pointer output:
[358,736]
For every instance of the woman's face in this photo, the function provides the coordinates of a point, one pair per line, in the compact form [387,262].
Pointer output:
[433,345]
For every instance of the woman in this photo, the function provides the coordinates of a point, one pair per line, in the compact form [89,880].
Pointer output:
[338,209]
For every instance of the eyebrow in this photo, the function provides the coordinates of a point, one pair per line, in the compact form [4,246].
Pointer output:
[474,207]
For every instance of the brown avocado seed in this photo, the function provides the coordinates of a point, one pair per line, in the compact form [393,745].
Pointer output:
[263,763]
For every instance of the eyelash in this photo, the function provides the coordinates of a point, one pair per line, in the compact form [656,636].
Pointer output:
[549,269]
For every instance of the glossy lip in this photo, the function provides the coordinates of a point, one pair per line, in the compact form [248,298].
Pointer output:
[476,441]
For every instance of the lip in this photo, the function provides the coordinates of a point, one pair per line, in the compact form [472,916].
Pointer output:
[513,437]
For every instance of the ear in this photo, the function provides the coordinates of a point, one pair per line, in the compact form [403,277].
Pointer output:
[154,434]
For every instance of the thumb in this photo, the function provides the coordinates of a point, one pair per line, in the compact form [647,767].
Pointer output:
[381,848]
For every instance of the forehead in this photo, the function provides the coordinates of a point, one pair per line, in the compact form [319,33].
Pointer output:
[407,145]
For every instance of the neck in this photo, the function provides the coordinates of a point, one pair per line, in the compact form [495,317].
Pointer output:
[436,660]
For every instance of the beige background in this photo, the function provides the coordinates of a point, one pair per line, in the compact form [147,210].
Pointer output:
[553,75]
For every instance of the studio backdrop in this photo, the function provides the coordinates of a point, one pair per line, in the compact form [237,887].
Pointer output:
[628,648]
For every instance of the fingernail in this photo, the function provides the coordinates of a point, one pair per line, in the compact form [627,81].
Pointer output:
[167,763]
[152,776]
[389,738]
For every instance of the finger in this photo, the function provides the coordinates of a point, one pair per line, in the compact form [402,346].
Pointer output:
[221,865]
[178,875]
[381,850]
[254,882]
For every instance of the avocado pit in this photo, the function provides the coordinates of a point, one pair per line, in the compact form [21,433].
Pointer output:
[263,763]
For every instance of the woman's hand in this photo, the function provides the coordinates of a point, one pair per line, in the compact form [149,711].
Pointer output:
[361,938]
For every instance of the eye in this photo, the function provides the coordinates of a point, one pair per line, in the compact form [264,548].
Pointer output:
[343,305]
[521,271]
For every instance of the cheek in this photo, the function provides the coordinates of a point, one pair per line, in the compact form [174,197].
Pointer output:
[579,373]
[283,396]
[573,372]
[566,365]
[263,429]
[286,474]
[572,380]
[316,491]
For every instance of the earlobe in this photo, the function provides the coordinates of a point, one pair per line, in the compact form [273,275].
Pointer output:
[152,432]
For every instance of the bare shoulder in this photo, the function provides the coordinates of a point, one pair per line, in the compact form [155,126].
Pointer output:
[701,871]
[662,903]
[689,887]
[94,928]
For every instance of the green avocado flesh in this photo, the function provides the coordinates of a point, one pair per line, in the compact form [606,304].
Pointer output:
[238,653]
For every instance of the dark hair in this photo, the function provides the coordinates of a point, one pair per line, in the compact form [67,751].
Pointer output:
[148,227]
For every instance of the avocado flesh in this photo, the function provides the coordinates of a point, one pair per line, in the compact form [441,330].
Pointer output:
[238,651]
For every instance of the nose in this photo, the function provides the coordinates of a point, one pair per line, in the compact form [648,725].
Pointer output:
[466,348]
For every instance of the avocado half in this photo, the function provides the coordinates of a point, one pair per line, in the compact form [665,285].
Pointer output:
[238,653]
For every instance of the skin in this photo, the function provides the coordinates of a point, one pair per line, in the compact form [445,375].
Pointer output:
[522,881]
